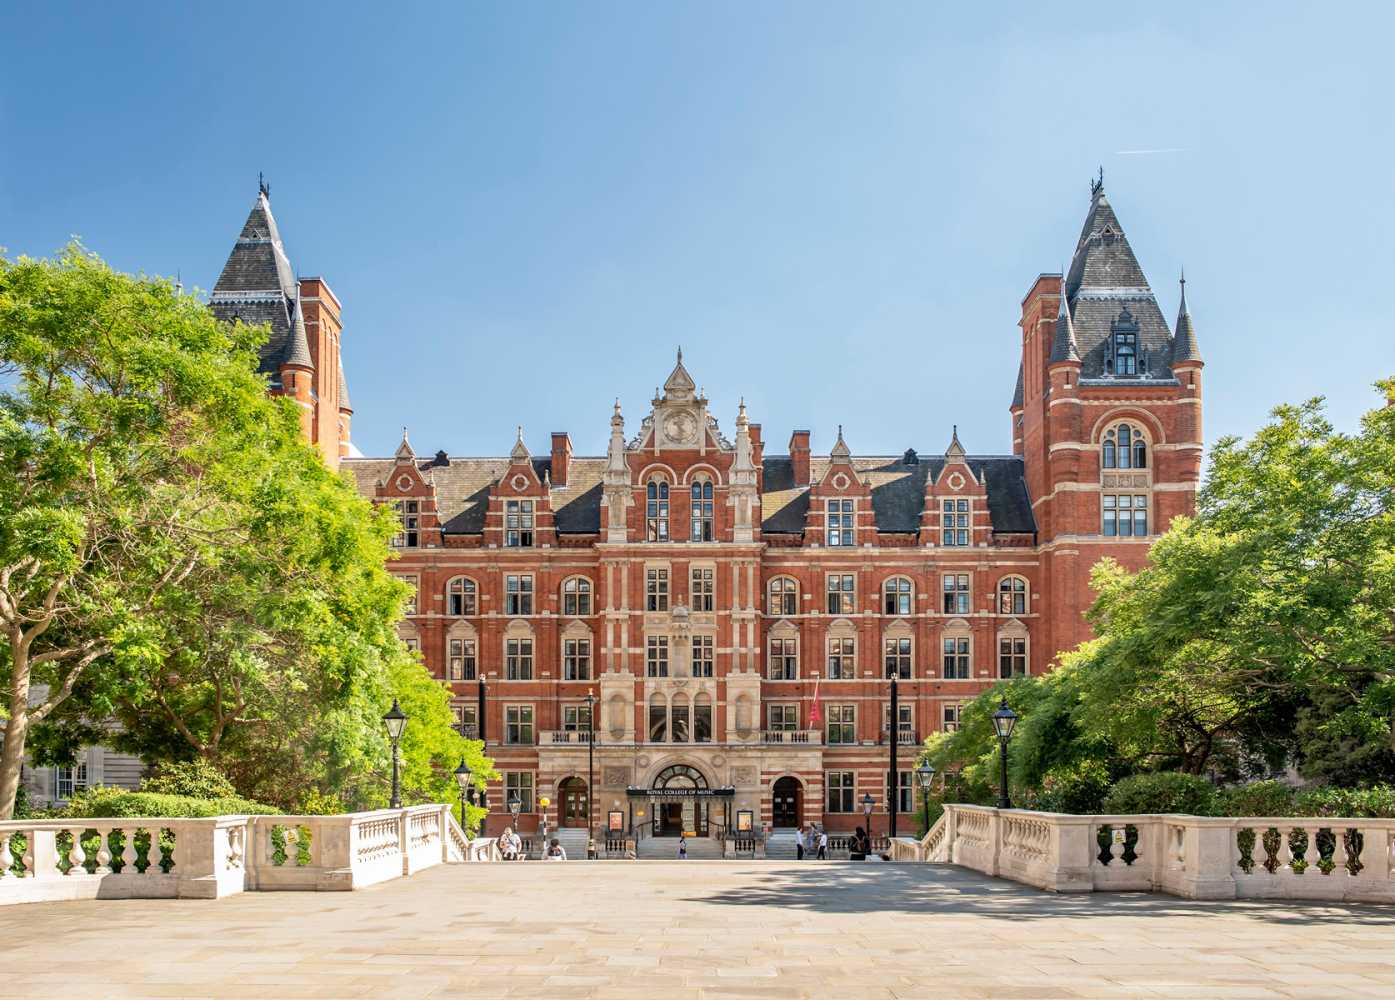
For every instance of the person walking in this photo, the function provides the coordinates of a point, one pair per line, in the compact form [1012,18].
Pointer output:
[799,844]
[555,851]
[682,848]
[823,845]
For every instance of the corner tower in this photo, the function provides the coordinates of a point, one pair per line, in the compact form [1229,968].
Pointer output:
[1107,415]
[301,356]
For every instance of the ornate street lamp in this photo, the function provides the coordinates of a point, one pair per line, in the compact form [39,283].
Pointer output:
[926,774]
[395,720]
[590,767]
[868,803]
[466,781]
[1004,719]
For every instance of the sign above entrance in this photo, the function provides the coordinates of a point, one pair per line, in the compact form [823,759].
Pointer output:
[680,793]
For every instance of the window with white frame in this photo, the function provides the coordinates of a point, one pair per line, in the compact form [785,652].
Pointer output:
[518,524]
[409,606]
[784,659]
[842,593]
[466,719]
[656,510]
[842,724]
[576,597]
[518,785]
[409,524]
[905,720]
[412,642]
[956,593]
[518,594]
[462,598]
[1012,656]
[1124,447]
[656,589]
[703,658]
[950,720]
[702,511]
[905,792]
[842,792]
[956,522]
[784,596]
[1012,596]
[704,592]
[576,718]
[67,781]
[897,596]
[956,657]
[896,656]
[518,659]
[656,656]
[842,663]
[1124,514]
[576,659]
[839,522]
[518,724]
[460,659]
[783,718]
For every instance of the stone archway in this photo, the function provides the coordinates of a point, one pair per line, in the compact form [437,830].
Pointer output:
[680,801]
[572,802]
[786,803]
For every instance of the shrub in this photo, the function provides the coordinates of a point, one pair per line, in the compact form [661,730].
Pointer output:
[1259,798]
[1164,792]
[1376,802]
[195,778]
[122,804]
[1077,788]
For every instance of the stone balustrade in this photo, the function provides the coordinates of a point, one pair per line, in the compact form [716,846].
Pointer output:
[210,858]
[1195,857]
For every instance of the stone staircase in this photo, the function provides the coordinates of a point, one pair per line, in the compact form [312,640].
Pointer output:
[666,849]
[781,845]
[572,839]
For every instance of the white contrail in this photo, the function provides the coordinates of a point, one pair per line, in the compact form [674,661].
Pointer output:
[1149,152]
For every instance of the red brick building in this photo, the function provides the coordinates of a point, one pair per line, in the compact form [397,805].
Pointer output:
[737,615]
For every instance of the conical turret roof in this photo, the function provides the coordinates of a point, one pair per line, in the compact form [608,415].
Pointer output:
[1184,345]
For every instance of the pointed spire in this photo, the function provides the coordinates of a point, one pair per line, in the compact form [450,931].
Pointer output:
[344,404]
[1017,393]
[680,384]
[298,344]
[840,447]
[404,451]
[1184,345]
[955,449]
[1064,348]
[520,451]
[744,452]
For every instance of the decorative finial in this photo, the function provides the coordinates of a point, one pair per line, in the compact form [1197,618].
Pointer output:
[1096,186]
[680,354]
[617,406]
[262,186]
[520,432]
[1183,280]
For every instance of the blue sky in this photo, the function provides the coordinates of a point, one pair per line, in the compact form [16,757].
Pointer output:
[835,209]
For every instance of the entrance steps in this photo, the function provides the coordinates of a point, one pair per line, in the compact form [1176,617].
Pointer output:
[572,840]
[666,849]
[781,845]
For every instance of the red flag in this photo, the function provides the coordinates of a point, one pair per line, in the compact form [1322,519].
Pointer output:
[815,717]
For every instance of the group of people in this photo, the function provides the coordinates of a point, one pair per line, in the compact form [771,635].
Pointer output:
[511,847]
[812,842]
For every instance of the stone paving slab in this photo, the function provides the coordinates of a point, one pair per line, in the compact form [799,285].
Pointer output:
[696,931]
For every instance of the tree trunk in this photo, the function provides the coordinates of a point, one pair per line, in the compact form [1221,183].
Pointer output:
[16,730]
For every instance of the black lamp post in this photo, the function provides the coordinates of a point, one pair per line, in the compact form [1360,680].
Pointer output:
[867,805]
[396,721]
[895,783]
[590,765]
[465,780]
[1004,719]
[926,774]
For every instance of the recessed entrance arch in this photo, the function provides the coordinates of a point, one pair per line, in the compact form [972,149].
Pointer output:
[786,800]
[572,808]
[679,803]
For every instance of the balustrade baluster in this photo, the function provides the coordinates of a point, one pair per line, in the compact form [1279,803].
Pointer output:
[77,859]
[1286,850]
[156,853]
[103,852]
[128,851]
[6,857]
[1314,854]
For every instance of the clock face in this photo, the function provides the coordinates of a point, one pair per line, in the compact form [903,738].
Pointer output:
[681,428]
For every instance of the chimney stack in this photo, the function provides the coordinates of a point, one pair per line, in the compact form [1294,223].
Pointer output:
[561,457]
[799,457]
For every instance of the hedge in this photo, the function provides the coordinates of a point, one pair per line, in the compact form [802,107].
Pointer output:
[118,803]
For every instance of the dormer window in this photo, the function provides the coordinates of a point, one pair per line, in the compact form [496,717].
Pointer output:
[840,523]
[409,514]
[1125,354]
[518,524]
[656,510]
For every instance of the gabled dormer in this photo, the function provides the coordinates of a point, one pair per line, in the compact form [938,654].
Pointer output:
[519,514]
[412,491]
[956,503]
[840,503]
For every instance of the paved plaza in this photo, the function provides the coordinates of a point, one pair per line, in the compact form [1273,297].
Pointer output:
[674,930]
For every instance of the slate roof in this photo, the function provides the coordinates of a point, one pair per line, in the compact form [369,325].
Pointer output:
[1105,279]
[898,491]
[258,285]
[1184,346]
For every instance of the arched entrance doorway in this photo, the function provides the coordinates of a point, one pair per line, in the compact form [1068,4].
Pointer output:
[573,801]
[785,803]
[680,801]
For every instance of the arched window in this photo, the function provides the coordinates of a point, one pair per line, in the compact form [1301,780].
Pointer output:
[680,719]
[462,597]
[1124,447]
[702,511]
[702,718]
[576,597]
[658,719]
[1012,596]
[784,596]
[896,596]
[656,510]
